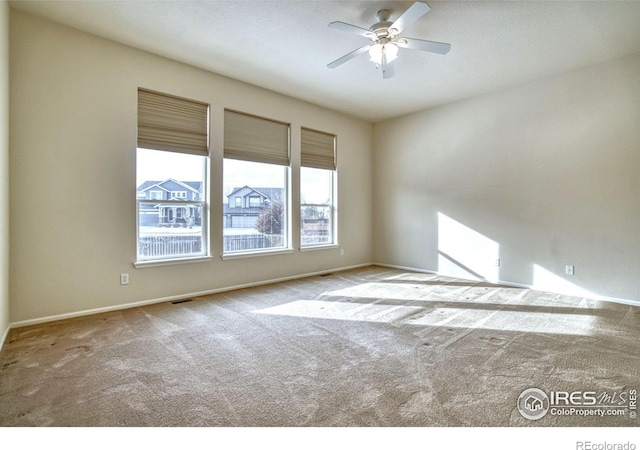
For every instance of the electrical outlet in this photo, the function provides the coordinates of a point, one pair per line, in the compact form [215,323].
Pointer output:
[124,278]
[496,262]
[568,270]
[341,252]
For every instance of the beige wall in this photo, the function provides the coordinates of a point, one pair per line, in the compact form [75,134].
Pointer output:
[73,139]
[4,170]
[541,176]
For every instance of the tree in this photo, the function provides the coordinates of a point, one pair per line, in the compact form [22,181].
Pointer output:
[271,220]
[311,212]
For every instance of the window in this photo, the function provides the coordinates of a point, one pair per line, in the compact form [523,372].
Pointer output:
[171,166]
[256,168]
[317,189]
[156,195]
[179,194]
[316,207]
[254,201]
[175,227]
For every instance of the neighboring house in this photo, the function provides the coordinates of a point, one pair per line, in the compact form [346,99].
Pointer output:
[170,214]
[242,209]
[245,204]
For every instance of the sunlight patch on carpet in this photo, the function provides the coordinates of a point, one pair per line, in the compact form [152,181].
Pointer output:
[529,322]
[319,309]
[519,321]
[457,292]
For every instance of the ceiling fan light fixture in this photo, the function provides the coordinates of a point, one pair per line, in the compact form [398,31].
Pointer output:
[385,38]
[377,50]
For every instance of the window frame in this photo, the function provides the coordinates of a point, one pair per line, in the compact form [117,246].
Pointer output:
[333,208]
[287,227]
[260,140]
[203,203]
[178,125]
[319,151]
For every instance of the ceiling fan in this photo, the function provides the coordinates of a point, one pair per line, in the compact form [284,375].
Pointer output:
[385,39]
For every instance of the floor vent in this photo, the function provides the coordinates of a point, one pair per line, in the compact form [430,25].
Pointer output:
[177,302]
[326,274]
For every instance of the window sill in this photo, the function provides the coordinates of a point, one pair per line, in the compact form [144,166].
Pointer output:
[310,248]
[171,262]
[256,253]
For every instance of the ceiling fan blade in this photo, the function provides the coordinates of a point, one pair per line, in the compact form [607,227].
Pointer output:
[426,46]
[348,57]
[415,11]
[351,29]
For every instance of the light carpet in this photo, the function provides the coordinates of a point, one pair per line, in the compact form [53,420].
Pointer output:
[366,347]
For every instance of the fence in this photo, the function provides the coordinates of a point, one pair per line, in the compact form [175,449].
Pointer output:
[311,238]
[243,242]
[184,245]
[169,245]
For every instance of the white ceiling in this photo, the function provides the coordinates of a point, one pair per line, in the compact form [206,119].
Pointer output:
[285,46]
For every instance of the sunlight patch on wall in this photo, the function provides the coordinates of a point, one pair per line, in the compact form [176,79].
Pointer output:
[465,253]
[546,280]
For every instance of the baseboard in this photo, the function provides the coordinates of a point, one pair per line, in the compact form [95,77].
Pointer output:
[120,307]
[603,298]
[407,268]
[89,312]
[4,337]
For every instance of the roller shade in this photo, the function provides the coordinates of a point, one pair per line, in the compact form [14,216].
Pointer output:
[252,138]
[318,149]
[170,123]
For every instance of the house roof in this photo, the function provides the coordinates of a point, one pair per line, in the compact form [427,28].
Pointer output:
[495,44]
[195,186]
[268,192]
